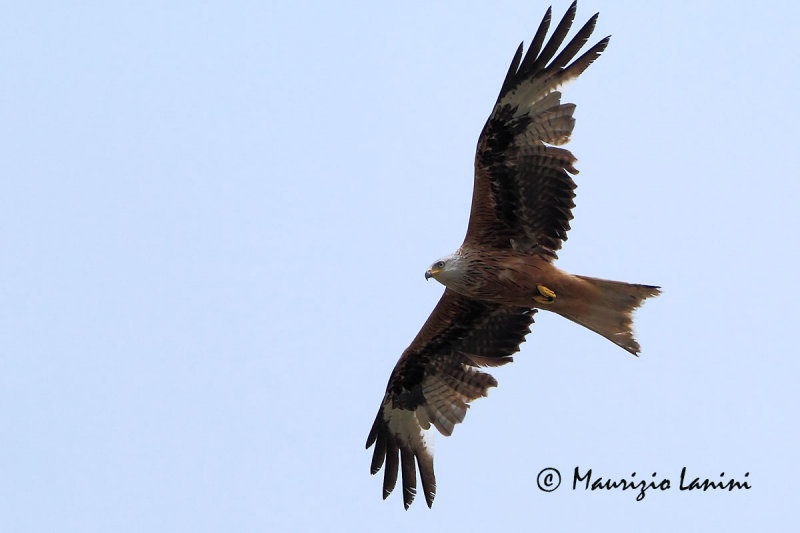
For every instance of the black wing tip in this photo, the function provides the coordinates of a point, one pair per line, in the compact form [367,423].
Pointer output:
[512,69]
[592,22]
[429,499]
[377,462]
[408,499]
[375,430]
[545,23]
[409,461]
[538,58]
[569,15]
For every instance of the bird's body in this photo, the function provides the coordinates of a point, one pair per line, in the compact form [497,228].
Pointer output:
[503,272]
[517,278]
[502,276]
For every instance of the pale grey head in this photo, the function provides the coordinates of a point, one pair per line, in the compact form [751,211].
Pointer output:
[448,270]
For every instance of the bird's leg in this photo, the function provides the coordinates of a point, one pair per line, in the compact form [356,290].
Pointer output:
[545,296]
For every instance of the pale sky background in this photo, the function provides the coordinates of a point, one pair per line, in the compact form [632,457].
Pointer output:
[214,222]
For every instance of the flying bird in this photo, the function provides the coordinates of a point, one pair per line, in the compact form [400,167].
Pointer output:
[503,272]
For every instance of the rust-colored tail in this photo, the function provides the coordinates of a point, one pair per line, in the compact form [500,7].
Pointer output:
[606,309]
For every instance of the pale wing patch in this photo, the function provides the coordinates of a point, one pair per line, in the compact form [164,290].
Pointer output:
[531,93]
[407,429]
[540,93]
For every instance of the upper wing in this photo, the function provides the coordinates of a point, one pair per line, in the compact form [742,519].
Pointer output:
[522,196]
[434,380]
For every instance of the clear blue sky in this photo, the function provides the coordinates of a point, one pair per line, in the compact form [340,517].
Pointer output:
[214,222]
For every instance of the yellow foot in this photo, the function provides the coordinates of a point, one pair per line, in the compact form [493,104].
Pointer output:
[545,296]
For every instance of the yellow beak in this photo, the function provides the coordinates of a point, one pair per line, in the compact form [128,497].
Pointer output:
[431,272]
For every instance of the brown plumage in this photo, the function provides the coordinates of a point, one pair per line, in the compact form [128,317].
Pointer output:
[503,271]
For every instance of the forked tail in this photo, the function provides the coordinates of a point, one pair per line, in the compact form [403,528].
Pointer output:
[606,309]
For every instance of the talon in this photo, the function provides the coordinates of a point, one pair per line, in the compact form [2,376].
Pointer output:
[545,296]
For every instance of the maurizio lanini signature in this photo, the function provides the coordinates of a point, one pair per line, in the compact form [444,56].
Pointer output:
[687,482]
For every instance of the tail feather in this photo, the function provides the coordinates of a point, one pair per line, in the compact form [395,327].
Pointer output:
[607,309]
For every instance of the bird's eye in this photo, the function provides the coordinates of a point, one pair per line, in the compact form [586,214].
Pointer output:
[440,264]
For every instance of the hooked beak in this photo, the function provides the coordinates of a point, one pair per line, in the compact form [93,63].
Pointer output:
[431,272]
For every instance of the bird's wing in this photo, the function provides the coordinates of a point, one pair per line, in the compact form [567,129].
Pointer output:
[523,191]
[434,381]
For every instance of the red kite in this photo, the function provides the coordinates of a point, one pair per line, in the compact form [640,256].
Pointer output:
[503,272]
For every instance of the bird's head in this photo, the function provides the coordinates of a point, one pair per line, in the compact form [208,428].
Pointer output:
[447,269]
